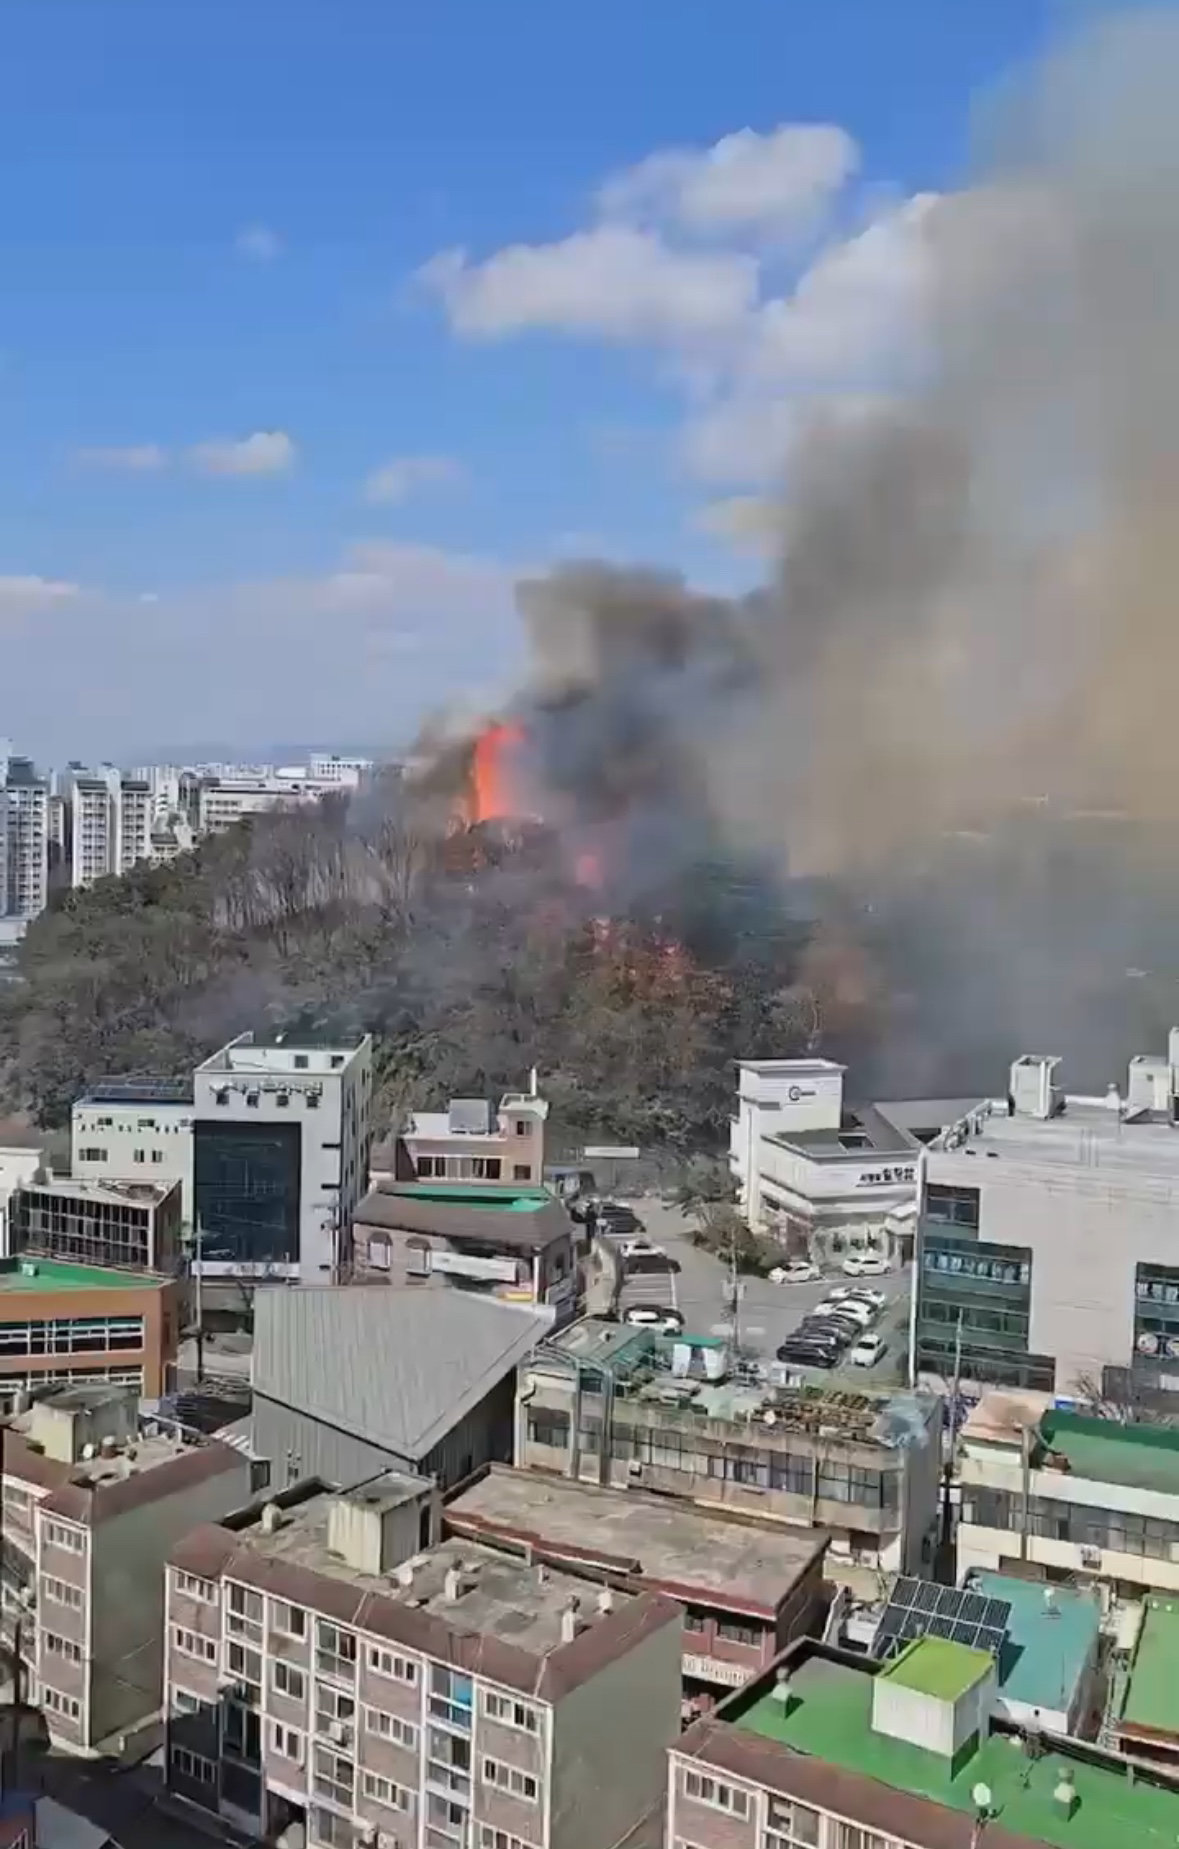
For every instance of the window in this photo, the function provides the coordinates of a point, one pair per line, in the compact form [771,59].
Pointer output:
[448,1757]
[93,1154]
[391,1727]
[946,1206]
[245,1665]
[547,1427]
[61,1594]
[705,1790]
[157,1155]
[57,1534]
[695,1621]
[288,1620]
[511,1779]
[287,1742]
[17,1502]
[491,1838]
[244,1616]
[523,1126]
[241,1733]
[184,1702]
[521,1171]
[61,1646]
[511,1712]
[193,1765]
[790,1825]
[286,1680]
[195,1588]
[334,1776]
[450,1697]
[850,1836]
[57,1703]
[734,1633]
[335,1651]
[139,1155]
[189,1644]
[389,1663]
[300,1062]
[333,1708]
[383,1791]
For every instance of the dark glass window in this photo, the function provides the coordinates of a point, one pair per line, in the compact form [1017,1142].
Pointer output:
[945,1206]
[247,1191]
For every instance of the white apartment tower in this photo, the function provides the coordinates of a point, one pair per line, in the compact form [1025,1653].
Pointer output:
[92,825]
[25,883]
[135,823]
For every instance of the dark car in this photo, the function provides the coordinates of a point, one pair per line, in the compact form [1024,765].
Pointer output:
[808,1354]
[614,1219]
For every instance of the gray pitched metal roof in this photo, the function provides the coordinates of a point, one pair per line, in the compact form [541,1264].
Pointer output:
[397,1368]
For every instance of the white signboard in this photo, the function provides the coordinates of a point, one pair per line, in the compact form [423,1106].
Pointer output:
[711,1669]
[611,1152]
[465,1265]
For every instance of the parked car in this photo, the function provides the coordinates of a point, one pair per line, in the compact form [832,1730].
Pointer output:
[808,1354]
[614,1219]
[632,1250]
[865,1265]
[863,1313]
[654,1316]
[875,1299]
[868,1351]
[798,1271]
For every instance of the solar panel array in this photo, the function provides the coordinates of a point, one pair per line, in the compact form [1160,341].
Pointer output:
[918,1608]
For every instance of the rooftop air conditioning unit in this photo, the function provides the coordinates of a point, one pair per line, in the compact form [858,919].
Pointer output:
[1090,1556]
[340,1734]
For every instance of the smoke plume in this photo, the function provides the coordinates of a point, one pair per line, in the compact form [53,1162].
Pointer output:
[952,708]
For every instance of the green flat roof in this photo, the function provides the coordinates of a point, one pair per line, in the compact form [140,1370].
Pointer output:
[1105,1451]
[52,1275]
[829,1716]
[504,1200]
[1152,1689]
[935,1666]
[1048,1646]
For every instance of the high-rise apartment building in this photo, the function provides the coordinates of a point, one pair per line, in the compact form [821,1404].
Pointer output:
[281,1138]
[92,824]
[27,840]
[134,844]
[330,1669]
[94,1498]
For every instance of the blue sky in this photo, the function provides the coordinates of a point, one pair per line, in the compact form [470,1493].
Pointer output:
[215,328]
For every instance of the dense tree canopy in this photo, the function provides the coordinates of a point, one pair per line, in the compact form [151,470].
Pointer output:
[470,960]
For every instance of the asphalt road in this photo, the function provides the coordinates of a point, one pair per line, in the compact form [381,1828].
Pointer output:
[768,1311]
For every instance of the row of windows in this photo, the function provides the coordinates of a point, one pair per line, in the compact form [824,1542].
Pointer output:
[71,1335]
[1113,1530]
[671,1449]
[788,1823]
[937,1261]
[994,1367]
[11,1383]
[97,1154]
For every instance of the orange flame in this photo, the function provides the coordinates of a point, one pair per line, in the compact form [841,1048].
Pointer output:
[492,797]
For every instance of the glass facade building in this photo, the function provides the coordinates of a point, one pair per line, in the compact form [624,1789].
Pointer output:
[973,1299]
[246,1190]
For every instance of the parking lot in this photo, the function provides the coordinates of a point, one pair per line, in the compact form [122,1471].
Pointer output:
[697,1284]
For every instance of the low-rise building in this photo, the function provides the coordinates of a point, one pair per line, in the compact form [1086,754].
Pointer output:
[747,1587]
[349,1381]
[138,1224]
[94,1497]
[135,1129]
[829,1751]
[334,1668]
[1050,1493]
[462,1144]
[81,1325]
[609,1404]
[1143,1712]
[811,1168]
[511,1242]
[17,1166]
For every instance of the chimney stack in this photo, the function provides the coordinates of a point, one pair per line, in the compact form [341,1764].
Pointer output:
[453,1584]
[570,1619]
[605,1602]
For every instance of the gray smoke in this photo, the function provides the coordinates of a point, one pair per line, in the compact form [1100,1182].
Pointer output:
[952,711]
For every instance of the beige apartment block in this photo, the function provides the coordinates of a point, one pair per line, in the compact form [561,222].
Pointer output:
[332,1666]
[94,1497]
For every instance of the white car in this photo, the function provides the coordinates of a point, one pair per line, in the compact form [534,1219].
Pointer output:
[798,1271]
[654,1316]
[640,1248]
[864,1265]
[867,1351]
[862,1313]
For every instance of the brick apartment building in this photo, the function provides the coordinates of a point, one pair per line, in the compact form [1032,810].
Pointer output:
[93,1498]
[82,1325]
[329,1667]
[747,1587]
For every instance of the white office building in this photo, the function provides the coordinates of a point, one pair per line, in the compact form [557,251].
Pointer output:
[811,1168]
[281,1138]
[1048,1252]
[135,1130]
[222,801]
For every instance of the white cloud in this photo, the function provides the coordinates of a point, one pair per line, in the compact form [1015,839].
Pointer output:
[613,281]
[780,183]
[134,458]
[258,243]
[745,521]
[266,452]
[401,476]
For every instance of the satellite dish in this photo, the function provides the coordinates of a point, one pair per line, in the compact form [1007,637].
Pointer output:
[982,1796]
